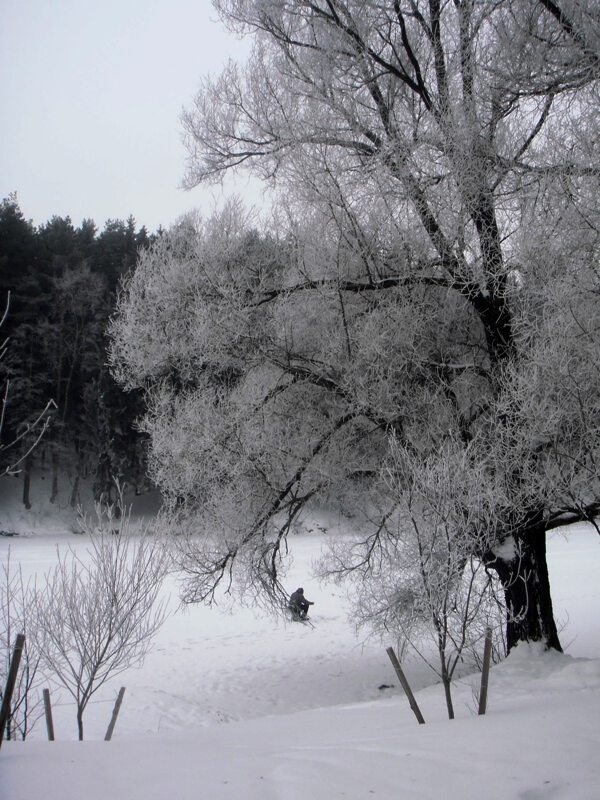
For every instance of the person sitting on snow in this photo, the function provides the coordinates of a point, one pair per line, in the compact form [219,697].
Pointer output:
[298,604]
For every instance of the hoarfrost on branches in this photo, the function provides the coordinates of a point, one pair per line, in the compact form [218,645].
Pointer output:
[425,156]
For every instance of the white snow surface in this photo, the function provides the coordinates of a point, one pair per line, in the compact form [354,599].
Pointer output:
[232,704]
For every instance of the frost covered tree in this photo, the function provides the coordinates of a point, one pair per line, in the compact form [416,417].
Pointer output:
[16,616]
[436,279]
[426,588]
[96,616]
[17,447]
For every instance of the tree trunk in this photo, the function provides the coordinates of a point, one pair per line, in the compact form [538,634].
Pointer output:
[80,724]
[448,695]
[526,585]
[27,481]
[54,491]
[75,491]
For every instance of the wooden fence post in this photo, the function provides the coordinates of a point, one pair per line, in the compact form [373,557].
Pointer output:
[407,690]
[10,683]
[115,714]
[485,671]
[48,710]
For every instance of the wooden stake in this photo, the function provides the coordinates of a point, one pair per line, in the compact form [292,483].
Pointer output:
[115,714]
[10,683]
[487,657]
[48,710]
[407,690]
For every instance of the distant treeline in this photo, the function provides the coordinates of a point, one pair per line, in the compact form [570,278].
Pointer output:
[62,282]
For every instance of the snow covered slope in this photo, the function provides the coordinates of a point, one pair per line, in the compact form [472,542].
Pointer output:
[305,717]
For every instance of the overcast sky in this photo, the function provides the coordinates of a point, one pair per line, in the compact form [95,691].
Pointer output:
[91,94]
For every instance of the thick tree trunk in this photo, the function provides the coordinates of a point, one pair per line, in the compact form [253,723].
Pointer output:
[523,570]
[526,584]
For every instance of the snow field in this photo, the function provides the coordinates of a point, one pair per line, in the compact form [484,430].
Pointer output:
[305,717]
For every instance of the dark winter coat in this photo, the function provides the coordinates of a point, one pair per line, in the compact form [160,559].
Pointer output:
[298,602]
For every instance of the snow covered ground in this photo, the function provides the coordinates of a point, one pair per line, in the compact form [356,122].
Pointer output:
[230,704]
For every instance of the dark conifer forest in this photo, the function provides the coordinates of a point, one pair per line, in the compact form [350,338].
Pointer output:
[58,286]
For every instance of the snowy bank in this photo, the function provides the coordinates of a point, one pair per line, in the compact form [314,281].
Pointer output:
[230,704]
[540,739]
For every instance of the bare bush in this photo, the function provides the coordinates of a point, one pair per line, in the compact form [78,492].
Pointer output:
[98,613]
[16,603]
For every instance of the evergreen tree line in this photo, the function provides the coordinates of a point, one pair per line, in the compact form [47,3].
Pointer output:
[59,283]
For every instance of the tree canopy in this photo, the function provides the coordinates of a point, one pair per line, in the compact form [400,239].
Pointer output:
[429,298]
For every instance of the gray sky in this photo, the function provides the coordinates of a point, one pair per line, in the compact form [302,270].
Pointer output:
[90,97]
